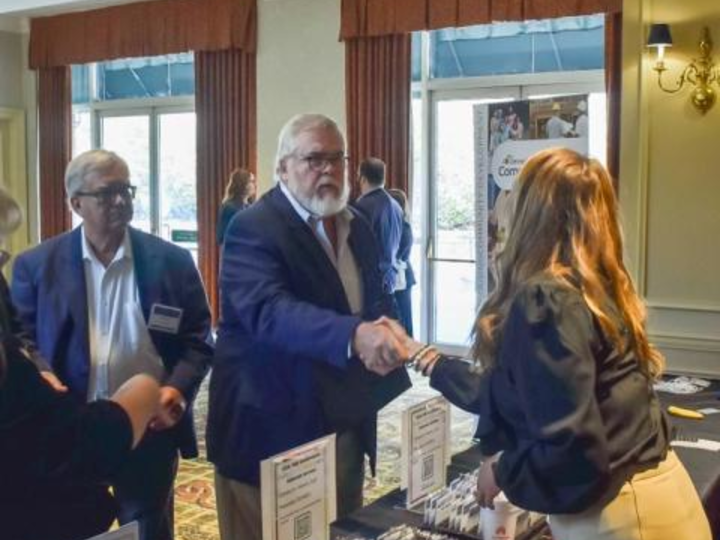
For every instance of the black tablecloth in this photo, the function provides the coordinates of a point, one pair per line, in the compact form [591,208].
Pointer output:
[389,510]
[702,465]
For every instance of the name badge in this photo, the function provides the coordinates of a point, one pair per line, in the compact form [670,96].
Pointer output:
[165,319]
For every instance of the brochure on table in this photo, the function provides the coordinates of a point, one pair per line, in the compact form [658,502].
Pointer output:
[425,448]
[298,492]
[126,532]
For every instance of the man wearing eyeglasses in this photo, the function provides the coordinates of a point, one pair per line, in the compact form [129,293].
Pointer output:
[298,355]
[105,302]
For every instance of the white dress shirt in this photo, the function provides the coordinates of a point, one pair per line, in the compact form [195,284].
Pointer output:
[557,128]
[344,260]
[120,344]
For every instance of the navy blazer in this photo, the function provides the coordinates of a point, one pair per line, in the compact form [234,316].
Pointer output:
[282,376]
[406,244]
[386,219]
[49,293]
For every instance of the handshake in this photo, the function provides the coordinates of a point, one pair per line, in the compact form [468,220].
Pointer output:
[383,345]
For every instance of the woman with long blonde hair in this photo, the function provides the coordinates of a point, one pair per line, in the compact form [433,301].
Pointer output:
[564,370]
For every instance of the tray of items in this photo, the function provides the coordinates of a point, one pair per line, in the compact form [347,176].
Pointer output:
[454,510]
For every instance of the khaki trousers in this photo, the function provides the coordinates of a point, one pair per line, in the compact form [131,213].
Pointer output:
[657,504]
[239,507]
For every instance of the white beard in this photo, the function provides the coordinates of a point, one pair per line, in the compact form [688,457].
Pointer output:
[322,207]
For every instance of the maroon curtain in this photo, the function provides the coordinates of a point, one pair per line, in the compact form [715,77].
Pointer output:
[54,148]
[364,18]
[147,28]
[377,78]
[225,90]
[613,88]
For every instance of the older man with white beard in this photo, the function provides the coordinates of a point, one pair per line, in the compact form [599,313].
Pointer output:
[298,355]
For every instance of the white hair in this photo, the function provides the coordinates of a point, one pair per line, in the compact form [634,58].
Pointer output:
[86,163]
[287,140]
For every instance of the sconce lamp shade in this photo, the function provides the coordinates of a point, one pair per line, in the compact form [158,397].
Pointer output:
[659,36]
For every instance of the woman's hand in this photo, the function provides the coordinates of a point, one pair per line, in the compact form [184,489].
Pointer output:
[487,488]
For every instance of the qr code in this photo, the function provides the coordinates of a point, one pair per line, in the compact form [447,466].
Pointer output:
[428,467]
[303,526]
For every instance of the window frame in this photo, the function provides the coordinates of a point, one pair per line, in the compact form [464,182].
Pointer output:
[433,90]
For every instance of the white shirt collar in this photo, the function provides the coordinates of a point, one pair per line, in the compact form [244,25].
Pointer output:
[124,250]
[303,212]
[299,208]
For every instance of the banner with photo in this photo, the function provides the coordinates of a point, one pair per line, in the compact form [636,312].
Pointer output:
[506,135]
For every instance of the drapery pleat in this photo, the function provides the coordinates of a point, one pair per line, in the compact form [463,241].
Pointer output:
[365,18]
[225,103]
[149,28]
[613,88]
[54,148]
[377,79]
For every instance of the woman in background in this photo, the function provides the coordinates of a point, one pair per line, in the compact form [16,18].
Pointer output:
[567,409]
[239,194]
[406,276]
[56,454]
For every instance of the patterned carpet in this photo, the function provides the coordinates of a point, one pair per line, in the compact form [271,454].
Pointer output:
[195,515]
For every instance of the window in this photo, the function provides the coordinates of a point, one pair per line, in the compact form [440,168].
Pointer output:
[462,79]
[143,110]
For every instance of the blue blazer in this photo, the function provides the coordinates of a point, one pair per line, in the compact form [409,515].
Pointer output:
[49,293]
[281,375]
[406,244]
[386,219]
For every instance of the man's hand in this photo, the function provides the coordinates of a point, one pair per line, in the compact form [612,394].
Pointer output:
[487,488]
[53,381]
[378,348]
[172,408]
[411,346]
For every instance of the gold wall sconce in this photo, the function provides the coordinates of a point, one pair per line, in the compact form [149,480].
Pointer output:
[701,73]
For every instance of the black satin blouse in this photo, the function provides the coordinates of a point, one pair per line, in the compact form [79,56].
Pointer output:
[573,416]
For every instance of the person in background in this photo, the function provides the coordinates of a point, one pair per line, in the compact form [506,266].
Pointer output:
[298,352]
[57,455]
[104,302]
[405,276]
[556,127]
[240,193]
[569,419]
[582,127]
[383,213]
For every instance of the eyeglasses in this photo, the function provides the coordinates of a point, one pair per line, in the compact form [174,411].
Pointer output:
[319,162]
[109,195]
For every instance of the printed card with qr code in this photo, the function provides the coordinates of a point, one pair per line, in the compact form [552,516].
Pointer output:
[298,492]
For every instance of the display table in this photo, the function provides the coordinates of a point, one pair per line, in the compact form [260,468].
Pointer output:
[702,465]
[389,510]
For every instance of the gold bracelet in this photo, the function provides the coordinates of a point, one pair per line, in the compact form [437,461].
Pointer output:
[430,350]
[418,354]
[431,363]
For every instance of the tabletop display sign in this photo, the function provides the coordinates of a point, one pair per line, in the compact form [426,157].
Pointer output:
[298,492]
[425,448]
[126,532]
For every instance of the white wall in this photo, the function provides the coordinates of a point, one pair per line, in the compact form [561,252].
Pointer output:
[300,68]
[670,186]
[11,94]
[17,127]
